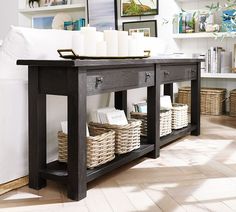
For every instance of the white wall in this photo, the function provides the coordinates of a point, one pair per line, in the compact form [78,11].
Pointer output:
[8,16]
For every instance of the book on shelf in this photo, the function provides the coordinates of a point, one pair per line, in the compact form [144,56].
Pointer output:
[218,60]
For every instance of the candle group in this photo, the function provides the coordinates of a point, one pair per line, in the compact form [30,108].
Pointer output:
[112,43]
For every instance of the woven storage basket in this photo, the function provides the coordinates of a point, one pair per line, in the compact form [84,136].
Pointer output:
[100,147]
[232,103]
[212,100]
[179,116]
[165,122]
[127,137]
[184,96]
[142,117]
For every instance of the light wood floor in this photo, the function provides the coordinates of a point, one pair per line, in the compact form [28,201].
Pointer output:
[193,174]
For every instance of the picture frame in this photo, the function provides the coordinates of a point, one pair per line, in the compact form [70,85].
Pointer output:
[148,27]
[42,22]
[102,14]
[55,2]
[129,8]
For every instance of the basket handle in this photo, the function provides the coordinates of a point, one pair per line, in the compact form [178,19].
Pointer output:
[66,53]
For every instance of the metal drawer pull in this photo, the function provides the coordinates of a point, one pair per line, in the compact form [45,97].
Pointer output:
[166,73]
[147,76]
[99,80]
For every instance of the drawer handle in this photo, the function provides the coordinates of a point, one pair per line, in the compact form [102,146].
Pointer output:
[147,76]
[99,80]
[166,73]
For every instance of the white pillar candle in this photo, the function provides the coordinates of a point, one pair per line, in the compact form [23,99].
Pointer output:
[78,43]
[123,46]
[111,37]
[101,49]
[132,47]
[89,40]
[99,36]
[139,36]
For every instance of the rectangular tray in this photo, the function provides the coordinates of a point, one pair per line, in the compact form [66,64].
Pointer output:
[69,54]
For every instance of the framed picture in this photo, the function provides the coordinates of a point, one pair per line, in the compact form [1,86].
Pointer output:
[149,28]
[138,7]
[102,14]
[228,22]
[55,2]
[42,22]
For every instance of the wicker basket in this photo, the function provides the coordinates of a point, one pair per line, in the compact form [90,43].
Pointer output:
[142,117]
[184,97]
[179,116]
[100,147]
[232,104]
[127,137]
[165,122]
[212,100]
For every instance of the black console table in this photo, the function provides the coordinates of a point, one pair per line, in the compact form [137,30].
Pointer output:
[80,78]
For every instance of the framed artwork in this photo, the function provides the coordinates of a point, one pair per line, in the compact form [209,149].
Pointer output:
[149,28]
[42,22]
[138,7]
[55,2]
[229,20]
[102,14]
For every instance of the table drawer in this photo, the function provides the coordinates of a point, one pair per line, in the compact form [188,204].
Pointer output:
[111,80]
[178,73]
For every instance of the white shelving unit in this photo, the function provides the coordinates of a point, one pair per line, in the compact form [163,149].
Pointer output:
[217,35]
[53,9]
[219,75]
[77,9]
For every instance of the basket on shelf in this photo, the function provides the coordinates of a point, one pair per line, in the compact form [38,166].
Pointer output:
[127,137]
[143,118]
[100,147]
[232,104]
[184,96]
[179,116]
[165,122]
[212,100]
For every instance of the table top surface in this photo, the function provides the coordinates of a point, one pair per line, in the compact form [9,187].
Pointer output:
[110,62]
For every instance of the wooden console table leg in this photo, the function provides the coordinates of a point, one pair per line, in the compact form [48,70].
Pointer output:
[37,131]
[168,90]
[195,102]
[77,170]
[153,116]
[121,100]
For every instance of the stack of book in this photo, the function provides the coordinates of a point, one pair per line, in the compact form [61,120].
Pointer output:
[109,116]
[218,60]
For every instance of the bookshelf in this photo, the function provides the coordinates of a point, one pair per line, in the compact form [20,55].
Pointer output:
[53,9]
[200,42]
[76,9]
[217,35]
[219,75]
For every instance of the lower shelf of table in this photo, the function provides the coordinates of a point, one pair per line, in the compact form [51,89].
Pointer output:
[58,171]
[176,134]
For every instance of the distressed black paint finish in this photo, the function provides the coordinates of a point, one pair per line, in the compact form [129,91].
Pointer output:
[78,79]
[37,130]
